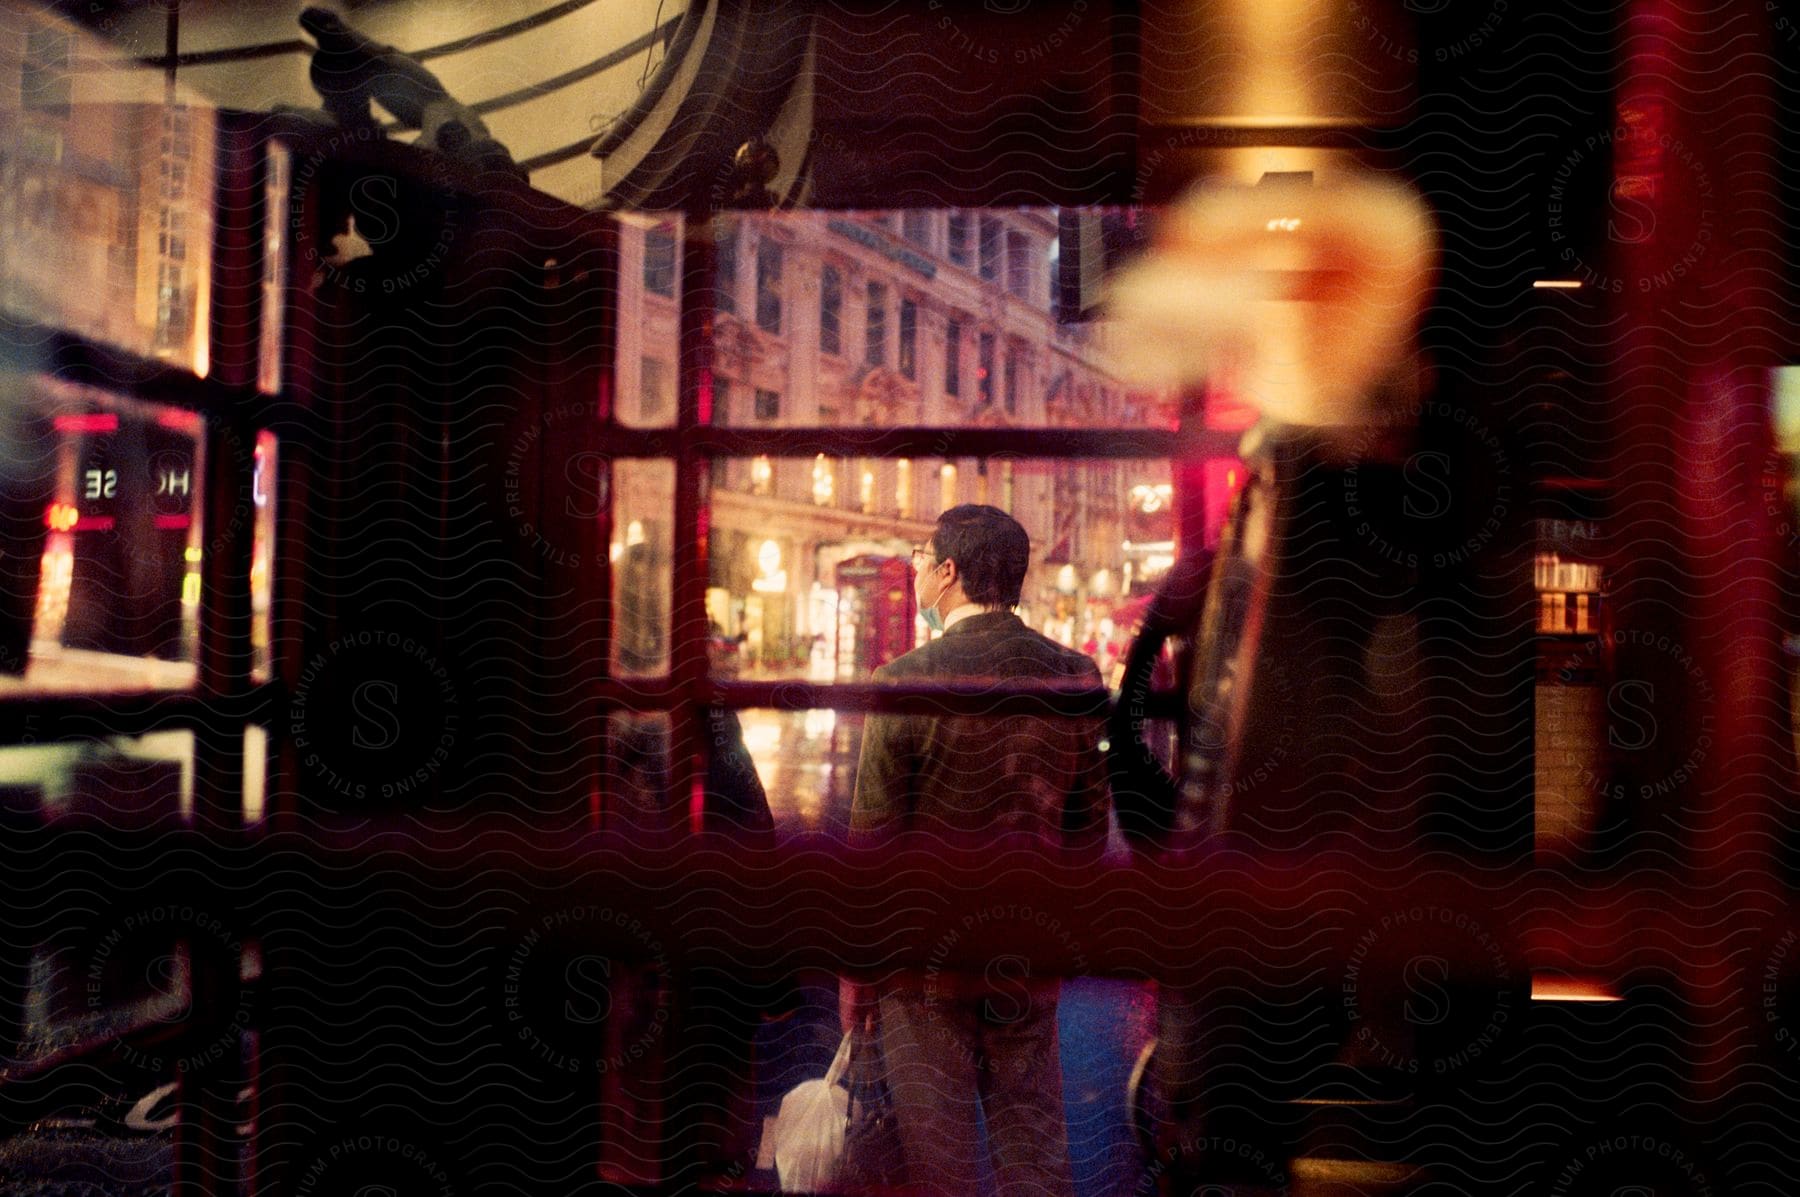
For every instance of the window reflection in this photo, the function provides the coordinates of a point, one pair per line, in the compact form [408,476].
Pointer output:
[105,207]
[123,780]
[106,498]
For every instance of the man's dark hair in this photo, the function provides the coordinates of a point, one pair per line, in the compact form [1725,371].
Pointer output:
[991,551]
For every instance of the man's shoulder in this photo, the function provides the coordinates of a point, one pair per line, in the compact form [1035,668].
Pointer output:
[975,650]
[1021,637]
[917,663]
[1069,661]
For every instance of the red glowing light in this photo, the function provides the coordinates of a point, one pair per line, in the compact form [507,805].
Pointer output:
[173,521]
[94,523]
[87,422]
[181,421]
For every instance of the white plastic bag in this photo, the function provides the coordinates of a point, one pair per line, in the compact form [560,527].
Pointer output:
[809,1129]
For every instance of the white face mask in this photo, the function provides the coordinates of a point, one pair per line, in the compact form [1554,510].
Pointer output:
[928,611]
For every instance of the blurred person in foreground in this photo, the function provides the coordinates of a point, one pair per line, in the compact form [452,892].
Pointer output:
[965,781]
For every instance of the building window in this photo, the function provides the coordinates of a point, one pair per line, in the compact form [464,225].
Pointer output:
[984,371]
[654,399]
[725,269]
[1012,383]
[831,311]
[959,238]
[946,487]
[909,338]
[1006,485]
[824,482]
[768,286]
[903,486]
[915,226]
[659,259]
[876,352]
[953,358]
[768,404]
[171,235]
[174,178]
[1018,265]
[762,476]
[1054,259]
[865,491]
[44,84]
[992,235]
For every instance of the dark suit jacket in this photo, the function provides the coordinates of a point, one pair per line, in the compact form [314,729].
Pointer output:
[975,777]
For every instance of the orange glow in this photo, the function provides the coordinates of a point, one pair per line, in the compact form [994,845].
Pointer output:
[61,517]
[1547,987]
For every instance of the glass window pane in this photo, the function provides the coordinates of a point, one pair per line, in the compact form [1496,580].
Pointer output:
[958,228]
[660,259]
[642,552]
[1019,265]
[768,286]
[915,226]
[903,333]
[648,348]
[635,797]
[107,953]
[256,772]
[875,336]
[102,513]
[123,780]
[263,480]
[831,311]
[656,391]
[909,338]
[725,278]
[106,208]
[993,235]
[824,591]
[984,372]
[953,349]
[271,335]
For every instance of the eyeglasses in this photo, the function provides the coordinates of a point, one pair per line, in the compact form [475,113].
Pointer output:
[920,554]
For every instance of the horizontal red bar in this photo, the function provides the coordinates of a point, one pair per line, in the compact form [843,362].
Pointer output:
[174,521]
[88,422]
[95,523]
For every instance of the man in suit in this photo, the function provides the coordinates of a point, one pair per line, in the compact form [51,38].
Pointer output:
[972,781]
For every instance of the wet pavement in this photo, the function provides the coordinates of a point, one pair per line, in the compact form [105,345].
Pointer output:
[1103,1025]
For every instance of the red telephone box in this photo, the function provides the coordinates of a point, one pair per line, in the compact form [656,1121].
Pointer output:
[875,614]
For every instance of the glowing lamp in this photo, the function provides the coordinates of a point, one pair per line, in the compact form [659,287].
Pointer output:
[1299,299]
